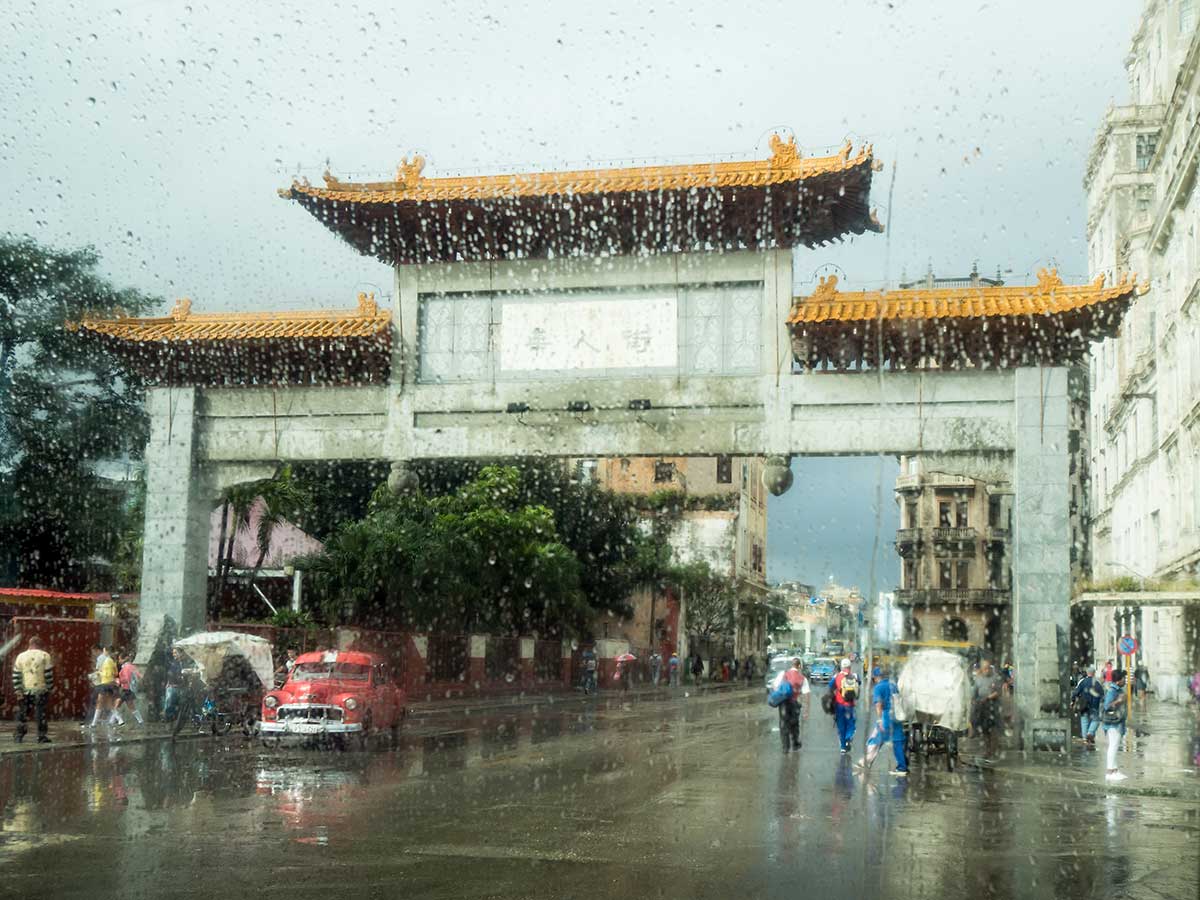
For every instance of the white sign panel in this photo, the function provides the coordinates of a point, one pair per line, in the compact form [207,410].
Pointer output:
[571,333]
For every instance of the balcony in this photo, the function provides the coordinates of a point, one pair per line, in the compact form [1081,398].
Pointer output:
[998,535]
[908,482]
[954,541]
[908,542]
[952,597]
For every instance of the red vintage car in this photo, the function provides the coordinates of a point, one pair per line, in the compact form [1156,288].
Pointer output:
[334,694]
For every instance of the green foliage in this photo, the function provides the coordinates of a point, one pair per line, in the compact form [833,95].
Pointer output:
[480,560]
[63,406]
[710,597]
[1128,584]
[674,502]
[289,618]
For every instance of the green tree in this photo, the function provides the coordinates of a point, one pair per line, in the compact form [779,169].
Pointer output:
[63,406]
[481,559]
[711,599]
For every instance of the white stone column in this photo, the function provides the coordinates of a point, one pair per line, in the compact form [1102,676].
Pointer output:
[1041,563]
[178,509]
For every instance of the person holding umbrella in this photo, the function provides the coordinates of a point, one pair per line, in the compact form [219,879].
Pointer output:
[624,663]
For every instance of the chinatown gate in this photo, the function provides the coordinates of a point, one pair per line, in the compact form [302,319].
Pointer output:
[622,312]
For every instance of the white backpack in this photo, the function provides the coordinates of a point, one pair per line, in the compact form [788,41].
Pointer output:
[899,712]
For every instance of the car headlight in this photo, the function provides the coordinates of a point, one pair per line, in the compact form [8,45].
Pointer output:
[270,702]
[351,703]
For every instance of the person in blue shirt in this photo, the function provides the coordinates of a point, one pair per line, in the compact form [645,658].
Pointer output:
[886,727]
[1089,693]
[1112,716]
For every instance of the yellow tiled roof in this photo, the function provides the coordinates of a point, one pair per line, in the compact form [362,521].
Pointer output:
[184,325]
[1048,296]
[784,165]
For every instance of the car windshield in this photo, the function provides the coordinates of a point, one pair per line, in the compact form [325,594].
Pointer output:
[823,663]
[318,671]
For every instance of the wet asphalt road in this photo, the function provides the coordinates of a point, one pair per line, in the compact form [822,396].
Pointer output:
[664,798]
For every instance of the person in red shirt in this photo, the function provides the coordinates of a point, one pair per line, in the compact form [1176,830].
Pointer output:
[845,694]
[789,710]
[1108,670]
[128,677]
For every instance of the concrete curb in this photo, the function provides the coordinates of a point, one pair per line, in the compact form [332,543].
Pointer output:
[132,738]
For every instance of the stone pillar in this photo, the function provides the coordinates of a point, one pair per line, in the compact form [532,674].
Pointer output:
[528,675]
[1041,562]
[477,663]
[178,507]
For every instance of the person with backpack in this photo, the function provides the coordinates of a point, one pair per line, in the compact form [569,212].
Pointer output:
[889,723]
[588,658]
[1087,696]
[1112,717]
[844,689]
[790,710]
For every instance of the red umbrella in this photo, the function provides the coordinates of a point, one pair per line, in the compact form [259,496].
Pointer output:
[626,657]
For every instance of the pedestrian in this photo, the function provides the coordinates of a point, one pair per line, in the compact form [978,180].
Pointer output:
[1087,696]
[1141,684]
[107,693]
[129,679]
[174,685]
[1112,716]
[673,669]
[285,670]
[724,668]
[887,726]
[33,680]
[655,667]
[697,668]
[748,670]
[790,709]
[94,679]
[844,688]
[1108,671]
[985,706]
[588,658]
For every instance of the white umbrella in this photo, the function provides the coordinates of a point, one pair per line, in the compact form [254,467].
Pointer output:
[210,649]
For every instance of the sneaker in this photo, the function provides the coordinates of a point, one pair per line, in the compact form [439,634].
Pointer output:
[844,750]
[45,740]
[1115,776]
[899,773]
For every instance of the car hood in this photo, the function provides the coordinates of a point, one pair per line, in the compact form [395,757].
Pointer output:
[317,691]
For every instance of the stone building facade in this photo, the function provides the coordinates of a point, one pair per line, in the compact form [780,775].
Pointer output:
[1144,428]
[955,547]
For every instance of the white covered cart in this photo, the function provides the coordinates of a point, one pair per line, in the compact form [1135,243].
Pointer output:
[935,688]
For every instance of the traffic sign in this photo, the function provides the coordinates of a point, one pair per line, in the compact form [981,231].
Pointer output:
[816,601]
[1127,645]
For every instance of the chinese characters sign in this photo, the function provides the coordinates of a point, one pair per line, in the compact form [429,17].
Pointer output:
[569,333]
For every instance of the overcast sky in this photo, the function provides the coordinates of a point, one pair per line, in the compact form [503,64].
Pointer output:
[159,131]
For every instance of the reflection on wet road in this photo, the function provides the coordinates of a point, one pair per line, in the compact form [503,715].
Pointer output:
[681,798]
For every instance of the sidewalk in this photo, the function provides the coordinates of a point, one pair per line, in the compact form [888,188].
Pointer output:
[67,734]
[1158,757]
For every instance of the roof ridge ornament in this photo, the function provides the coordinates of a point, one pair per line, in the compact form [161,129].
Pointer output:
[408,173]
[367,306]
[182,309]
[784,153]
[1048,279]
[826,289]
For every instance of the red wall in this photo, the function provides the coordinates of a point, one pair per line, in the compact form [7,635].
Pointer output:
[70,643]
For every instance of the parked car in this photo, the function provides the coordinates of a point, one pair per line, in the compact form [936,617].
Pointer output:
[334,694]
[822,669]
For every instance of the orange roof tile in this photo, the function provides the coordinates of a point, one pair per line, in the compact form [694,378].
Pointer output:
[184,325]
[784,165]
[1048,296]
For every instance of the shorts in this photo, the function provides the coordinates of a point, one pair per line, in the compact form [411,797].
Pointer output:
[128,696]
[109,689]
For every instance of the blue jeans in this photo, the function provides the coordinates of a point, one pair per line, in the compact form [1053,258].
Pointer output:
[1088,723]
[843,717]
[882,732]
